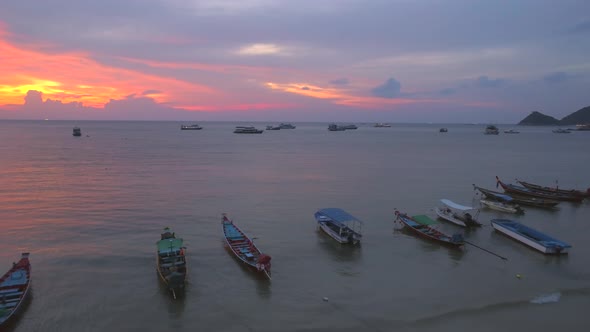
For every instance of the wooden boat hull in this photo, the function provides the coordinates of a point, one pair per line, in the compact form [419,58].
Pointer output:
[550,190]
[527,201]
[13,294]
[532,193]
[171,261]
[427,232]
[502,207]
[528,241]
[244,249]
[176,284]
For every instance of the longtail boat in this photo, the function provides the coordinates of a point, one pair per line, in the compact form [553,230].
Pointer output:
[573,192]
[339,225]
[501,206]
[460,215]
[428,232]
[171,261]
[14,288]
[519,190]
[244,249]
[530,237]
[528,201]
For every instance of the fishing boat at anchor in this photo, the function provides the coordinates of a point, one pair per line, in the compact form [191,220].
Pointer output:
[530,237]
[247,130]
[527,201]
[171,261]
[460,215]
[491,130]
[191,127]
[339,225]
[427,232]
[573,192]
[524,191]
[501,206]
[286,126]
[14,289]
[244,249]
[77,132]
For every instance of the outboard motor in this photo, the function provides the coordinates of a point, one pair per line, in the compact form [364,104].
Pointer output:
[457,238]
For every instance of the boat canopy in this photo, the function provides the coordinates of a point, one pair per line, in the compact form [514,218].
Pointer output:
[339,216]
[456,206]
[169,245]
[424,220]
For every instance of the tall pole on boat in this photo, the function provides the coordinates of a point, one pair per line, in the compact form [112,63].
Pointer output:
[486,250]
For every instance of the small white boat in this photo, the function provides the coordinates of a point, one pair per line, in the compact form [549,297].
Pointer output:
[247,130]
[500,206]
[491,130]
[561,131]
[460,215]
[531,237]
[382,125]
[191,127]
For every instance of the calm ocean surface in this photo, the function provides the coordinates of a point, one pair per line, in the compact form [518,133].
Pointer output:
[90,210]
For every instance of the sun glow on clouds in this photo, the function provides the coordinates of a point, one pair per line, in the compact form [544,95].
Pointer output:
[75,77]
[341,96]
[262,49]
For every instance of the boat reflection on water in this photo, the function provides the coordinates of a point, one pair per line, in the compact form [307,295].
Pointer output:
[341,252]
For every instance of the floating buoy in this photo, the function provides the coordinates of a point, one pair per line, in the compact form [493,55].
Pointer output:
[325,299]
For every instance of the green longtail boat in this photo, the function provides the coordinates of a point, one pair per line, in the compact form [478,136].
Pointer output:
[171,261]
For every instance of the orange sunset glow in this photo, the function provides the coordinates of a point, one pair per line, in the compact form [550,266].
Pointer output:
[76,77]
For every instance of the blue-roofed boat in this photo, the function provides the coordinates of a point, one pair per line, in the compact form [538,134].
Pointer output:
[244,249]
[528,201]
[531,237]
[171,261]
[14,289]
[424,230]
[339,225]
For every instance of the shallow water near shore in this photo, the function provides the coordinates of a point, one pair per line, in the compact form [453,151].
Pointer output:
[90,210]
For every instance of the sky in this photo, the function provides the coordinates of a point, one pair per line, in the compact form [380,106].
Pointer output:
[452,61]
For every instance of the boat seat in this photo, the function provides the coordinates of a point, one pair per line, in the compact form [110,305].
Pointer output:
[10,292]
[412,223]
[9,305]
[16,299]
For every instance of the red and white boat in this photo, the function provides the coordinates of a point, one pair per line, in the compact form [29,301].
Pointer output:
[244,249]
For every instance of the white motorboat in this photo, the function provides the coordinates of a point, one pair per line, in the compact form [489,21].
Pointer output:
[501,206]
[460,215]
